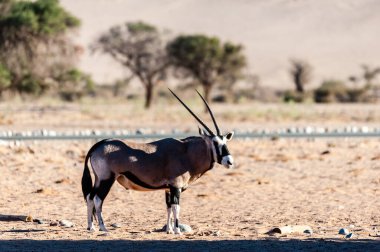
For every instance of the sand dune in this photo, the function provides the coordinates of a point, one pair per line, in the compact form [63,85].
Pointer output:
[334,36]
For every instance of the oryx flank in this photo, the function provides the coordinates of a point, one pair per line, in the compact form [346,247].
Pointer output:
[168,164]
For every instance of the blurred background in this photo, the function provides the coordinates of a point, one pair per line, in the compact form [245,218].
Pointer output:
[263,51]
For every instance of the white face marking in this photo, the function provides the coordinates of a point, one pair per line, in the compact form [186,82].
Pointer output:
[220,142]
[227,161]
[132,159]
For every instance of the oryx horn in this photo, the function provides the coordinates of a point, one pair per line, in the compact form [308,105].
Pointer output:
[191,112]
[211,114]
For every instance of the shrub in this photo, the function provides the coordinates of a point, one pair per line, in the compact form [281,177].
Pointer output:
[331,91]
[5,78]
[34,42]
[73,84]
[31,85]
[357,95]
[293,96]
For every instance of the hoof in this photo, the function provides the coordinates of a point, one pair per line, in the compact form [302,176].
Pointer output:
[169,231]
[103,229]
[177,231]
[91,229]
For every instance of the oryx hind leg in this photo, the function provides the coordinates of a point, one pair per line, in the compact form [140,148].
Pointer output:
[90,213]
[101,190]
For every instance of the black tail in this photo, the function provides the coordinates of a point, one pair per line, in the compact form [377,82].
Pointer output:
[86,178]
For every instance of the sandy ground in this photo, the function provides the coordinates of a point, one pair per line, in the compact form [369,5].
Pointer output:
[327,184]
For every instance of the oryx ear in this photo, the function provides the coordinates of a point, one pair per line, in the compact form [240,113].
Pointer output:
[229,135]
[201,131]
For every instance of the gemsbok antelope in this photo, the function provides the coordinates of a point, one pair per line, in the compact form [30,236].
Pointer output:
[168,164]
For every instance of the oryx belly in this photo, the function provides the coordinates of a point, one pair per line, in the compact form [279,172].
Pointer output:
[130,181]
[127,184]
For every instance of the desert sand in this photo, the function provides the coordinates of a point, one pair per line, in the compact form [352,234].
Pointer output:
[327,184]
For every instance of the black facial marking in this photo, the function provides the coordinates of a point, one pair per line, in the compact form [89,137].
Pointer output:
[167,199]
[218,155]
[138,182]
[225,151]
[174,195]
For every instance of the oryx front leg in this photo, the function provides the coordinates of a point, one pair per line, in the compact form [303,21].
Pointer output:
[169,227]
[175,194]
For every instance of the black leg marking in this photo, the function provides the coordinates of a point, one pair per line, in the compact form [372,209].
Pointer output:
[174,195]
[167,199]
[176,223]
[103,189]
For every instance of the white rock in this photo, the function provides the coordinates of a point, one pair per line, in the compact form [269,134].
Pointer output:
[66,223]
[365,129]
[183,227]
[104,234]
[116,225]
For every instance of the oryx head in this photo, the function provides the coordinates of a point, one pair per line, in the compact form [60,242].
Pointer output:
[219,140]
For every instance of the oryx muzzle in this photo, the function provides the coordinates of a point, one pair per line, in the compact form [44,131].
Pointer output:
[168,164]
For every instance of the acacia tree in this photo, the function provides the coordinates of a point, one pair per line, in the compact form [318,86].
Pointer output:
[369,74]
[300,73]
[34,45]
[139,47]
[207,60]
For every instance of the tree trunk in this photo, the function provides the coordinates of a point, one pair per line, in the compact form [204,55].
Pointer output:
[148,95]
[299,84]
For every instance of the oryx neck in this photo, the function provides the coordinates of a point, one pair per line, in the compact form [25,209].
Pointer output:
[213,153]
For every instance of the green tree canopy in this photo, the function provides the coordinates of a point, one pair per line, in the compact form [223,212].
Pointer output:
[139,47]
[207,60]
[42,17]
[34,43]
